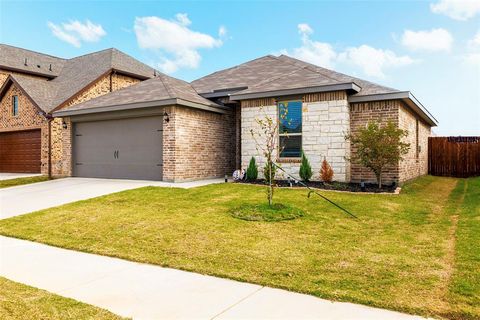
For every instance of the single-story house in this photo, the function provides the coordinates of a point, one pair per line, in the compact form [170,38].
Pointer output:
[167,129]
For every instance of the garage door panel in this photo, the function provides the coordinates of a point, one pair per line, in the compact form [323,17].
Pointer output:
[125,148]
[20,151]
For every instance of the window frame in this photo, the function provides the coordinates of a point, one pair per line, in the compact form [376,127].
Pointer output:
[15,106]
[297,134]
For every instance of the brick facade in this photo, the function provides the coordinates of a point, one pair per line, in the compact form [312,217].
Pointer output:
[28,118]
[415,162]
[360,115]
[198,144]
[399,113]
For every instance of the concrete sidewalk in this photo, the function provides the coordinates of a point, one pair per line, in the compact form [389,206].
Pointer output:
[145,291]
[27,198]
[9,175]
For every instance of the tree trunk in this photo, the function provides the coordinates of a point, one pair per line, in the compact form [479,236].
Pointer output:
[379,179]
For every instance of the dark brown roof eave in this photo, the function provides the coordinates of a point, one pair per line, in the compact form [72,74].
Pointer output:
[138,105]
[405,96]
[40,74]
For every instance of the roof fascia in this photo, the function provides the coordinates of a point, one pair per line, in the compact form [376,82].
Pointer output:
[139,105]
[289,92]
[405,96]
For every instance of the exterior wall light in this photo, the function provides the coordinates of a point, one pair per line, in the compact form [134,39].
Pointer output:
[165,117]
[64,125]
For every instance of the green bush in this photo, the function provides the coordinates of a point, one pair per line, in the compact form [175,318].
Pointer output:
[305,169]
[252,170]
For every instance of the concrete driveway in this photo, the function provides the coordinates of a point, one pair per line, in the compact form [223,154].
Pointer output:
[23,199]
[9,175]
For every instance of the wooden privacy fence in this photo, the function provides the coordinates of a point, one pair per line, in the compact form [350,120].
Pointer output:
[454,156]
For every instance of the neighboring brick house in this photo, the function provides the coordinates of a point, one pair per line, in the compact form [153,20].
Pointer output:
[33,85]
[167,129]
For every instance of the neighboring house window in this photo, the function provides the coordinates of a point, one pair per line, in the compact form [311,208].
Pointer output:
[15,105]
[290,129]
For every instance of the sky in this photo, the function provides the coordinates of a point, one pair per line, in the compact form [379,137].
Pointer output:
[431,48]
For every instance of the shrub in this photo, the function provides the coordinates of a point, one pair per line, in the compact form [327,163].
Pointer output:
[326,171]
[252,170]
[378,146]
[305,169]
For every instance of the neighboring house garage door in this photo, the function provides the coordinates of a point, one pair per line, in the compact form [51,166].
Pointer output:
[20,151]
[123,148]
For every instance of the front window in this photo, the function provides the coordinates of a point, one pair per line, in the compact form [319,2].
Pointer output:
[290,129]
[15,105]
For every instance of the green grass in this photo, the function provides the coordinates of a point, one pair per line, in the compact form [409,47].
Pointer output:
[405,252]
[265,212]
[18,301]
[20,181]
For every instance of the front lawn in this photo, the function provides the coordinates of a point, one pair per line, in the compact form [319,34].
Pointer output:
[19,181]
[416,252]
[18,301]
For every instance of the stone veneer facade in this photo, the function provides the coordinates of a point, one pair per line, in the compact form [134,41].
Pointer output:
[29,118]
[325,121]
[198,144]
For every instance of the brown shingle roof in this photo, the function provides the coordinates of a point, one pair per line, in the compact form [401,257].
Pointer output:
[74,74]
[13,58]
[367,86]
[243,75]
[160,88]
[271,73]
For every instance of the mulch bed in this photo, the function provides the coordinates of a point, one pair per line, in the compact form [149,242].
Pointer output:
[338,186]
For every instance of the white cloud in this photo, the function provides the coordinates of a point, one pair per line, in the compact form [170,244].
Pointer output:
[473,57]
[457,9]
[175,44]
[74,32]
[222,31]
[427,40]
[304,28]
[373,62]
[182,18]
[319,53]
[475,42]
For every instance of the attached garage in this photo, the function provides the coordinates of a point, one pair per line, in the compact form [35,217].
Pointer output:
[122,148]
[20,151]
[158,129]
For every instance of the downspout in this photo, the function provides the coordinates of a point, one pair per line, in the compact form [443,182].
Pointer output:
[49,121]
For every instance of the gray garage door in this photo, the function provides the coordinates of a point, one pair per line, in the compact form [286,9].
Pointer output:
[123,149]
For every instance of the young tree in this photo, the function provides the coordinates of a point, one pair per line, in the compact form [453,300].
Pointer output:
[378,146]
[266,137]
[326,171]
[305,169]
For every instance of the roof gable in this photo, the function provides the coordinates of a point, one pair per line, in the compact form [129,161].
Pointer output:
[69,77]
[153,91]
[29,86]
